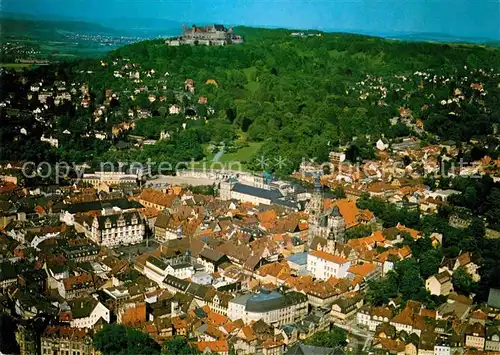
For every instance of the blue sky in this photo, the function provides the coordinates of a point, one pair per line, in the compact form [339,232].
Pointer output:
[465,18]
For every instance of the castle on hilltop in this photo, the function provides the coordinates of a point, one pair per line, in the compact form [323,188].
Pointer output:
[215,35]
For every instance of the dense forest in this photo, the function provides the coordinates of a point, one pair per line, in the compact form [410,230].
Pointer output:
[293,96]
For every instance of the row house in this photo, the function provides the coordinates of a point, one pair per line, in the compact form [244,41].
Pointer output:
[475,336]
[372,317]
[211,259]
[165,228]
[492,339]
[76,286]
[346,307]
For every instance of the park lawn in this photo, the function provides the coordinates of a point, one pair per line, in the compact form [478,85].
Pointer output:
[229,160]
[16,65]
[243,154]
[251,74]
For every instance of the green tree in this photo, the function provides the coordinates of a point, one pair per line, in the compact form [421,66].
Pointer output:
[331,339]
[178,345]
[380,291]
[429,263]
[116,339]
[8,342]
[462,282]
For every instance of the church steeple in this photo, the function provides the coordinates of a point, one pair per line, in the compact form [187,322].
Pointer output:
[315,205]
[315,208]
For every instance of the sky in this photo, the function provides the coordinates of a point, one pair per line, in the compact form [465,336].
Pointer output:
[459,18]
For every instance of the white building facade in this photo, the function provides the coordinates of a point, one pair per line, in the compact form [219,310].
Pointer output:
[322,265]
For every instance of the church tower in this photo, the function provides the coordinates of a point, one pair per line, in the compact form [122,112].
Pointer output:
[336,224]
[315,205]
[225,190]
[315,209]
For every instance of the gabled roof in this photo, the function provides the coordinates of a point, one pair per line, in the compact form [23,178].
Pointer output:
[257,192]
[211,254]
[82,308]
[332,258]
[127,217]
[122,203]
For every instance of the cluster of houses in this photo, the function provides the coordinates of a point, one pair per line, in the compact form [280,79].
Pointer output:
[397,176]
[246,270]
[48,97]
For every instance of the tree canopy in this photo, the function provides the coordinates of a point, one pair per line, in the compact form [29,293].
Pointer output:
[330,339]
[116,339]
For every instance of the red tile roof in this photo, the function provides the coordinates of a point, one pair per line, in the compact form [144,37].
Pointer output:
[333,258]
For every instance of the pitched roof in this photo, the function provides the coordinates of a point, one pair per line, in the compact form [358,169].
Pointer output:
[272,195]
[332,258]
[219,346]
[157,197]
[76,282]
[362,269]
[494,298]
[127,217]
[122,203]
[82,308]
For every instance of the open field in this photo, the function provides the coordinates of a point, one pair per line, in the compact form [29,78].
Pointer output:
[16,65]
[243,154]
[229,161]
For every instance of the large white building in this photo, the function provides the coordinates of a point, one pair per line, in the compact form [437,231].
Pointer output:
[274,308]
[115,228]
[110,177]
[322,265]
[258,194]
[157,270]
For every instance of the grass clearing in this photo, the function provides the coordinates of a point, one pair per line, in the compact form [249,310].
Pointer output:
[16,65]
[229,160]
[243,154]
[251,74]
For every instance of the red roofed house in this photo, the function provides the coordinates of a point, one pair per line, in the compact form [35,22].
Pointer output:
[132,314]
[76,286]
[213,347]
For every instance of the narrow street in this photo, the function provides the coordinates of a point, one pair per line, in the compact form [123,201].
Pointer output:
[360,339]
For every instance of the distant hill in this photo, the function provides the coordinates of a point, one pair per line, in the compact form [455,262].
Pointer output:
[419,37]
[41,27]
[16,16]
[144,27]
[442,37]
[50,29]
